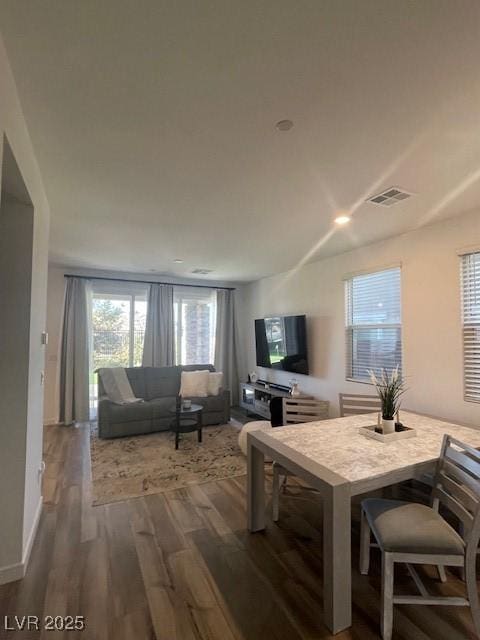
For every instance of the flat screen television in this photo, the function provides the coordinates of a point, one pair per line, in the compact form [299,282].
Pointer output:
[281,343]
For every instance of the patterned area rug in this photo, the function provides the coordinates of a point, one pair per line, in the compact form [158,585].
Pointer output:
[136,466]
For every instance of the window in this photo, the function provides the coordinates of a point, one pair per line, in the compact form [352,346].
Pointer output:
[470,276]
[373,324]
[118,328]
[195,321]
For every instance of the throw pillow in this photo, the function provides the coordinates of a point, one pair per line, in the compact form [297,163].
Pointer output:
[194,384]
[214,383]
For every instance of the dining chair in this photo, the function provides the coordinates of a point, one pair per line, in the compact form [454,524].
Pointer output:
[352,404]
[413,533]
[295,411]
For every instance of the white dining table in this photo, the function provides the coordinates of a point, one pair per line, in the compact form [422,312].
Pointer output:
[334,458]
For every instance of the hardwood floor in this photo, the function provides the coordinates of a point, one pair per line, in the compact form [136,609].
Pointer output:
[181,566]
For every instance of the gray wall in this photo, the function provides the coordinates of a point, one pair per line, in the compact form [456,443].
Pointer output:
[431,316]
[23,285]
[16,242]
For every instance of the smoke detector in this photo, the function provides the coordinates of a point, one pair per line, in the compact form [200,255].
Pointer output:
[391,196]
[284,125]
[202,272]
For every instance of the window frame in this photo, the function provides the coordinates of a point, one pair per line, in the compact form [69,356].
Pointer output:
[350,327]
[122,291]
[463,324]
[184,293]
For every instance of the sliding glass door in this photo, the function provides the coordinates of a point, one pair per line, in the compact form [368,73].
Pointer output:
[118,329]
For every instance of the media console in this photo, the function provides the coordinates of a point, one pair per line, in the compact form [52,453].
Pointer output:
[255,397]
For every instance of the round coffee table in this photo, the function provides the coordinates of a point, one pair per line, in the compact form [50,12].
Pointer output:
[187,421]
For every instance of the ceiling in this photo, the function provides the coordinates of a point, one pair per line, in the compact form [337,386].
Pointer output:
[153,123]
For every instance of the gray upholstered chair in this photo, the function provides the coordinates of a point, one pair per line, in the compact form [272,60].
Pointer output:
[295,411]
[352,404]
[417,534]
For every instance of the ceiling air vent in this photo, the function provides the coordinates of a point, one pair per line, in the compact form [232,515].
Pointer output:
[390,196]
[202,272]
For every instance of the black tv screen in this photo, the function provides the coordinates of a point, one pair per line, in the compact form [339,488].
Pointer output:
[281,343]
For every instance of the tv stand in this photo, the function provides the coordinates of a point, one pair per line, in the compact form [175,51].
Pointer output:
[255,397]
[273,385]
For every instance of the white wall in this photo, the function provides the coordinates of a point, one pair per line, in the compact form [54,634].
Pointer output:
[432,335]
[55,301]
[27,493]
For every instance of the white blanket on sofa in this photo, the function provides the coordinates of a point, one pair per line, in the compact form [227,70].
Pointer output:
[117,386]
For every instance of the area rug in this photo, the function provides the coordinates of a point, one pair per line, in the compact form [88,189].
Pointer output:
[135,466]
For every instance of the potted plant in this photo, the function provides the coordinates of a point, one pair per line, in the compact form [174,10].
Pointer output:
[390,390]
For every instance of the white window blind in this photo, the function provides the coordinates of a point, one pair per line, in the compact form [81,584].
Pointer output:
[195,324]
[470,275]
[373,324]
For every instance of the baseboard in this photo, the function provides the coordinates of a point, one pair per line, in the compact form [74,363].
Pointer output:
[33,532]
[17,571]
[12,572]
[50,423]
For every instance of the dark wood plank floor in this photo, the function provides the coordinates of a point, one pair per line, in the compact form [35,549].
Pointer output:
[181,566]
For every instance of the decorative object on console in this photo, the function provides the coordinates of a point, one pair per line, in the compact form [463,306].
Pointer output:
[253,377]
[294,390]
[390,390]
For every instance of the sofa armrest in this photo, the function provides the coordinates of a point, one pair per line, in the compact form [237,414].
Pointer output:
[226,403]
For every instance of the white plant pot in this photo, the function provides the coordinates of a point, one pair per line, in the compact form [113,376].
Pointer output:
[388,426]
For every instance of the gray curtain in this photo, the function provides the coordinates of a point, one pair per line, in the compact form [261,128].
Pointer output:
[75,357]
[159,342]
[226,342]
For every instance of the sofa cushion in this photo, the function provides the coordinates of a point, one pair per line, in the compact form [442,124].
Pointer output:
[409,527]
[161,382]
[136,377]
[210,403]
[194,384]
[130,412]
[164,407]
[215,379]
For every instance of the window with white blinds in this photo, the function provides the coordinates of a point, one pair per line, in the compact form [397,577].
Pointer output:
[470,275]
[195,312]
[373,324]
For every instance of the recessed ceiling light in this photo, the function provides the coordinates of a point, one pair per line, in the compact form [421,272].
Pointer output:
[178,261]
[341,220]
[202,272]
[284,125]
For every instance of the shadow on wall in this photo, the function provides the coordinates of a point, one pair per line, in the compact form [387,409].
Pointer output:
[319,336]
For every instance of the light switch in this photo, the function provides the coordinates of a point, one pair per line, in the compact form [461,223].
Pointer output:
[42,378]
[44,337]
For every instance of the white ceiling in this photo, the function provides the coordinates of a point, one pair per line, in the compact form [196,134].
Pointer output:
[154,125]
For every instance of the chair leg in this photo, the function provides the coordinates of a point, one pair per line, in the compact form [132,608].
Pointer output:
[472,591]
[387,596]
[364,545]
[461,531]
[275,493]
[441,573]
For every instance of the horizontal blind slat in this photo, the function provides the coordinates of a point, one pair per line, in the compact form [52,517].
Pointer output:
[470,281]
[373,319]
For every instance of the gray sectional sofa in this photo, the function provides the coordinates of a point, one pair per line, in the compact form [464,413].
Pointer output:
[159,387]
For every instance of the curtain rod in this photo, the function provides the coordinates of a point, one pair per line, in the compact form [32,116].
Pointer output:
[197,286]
